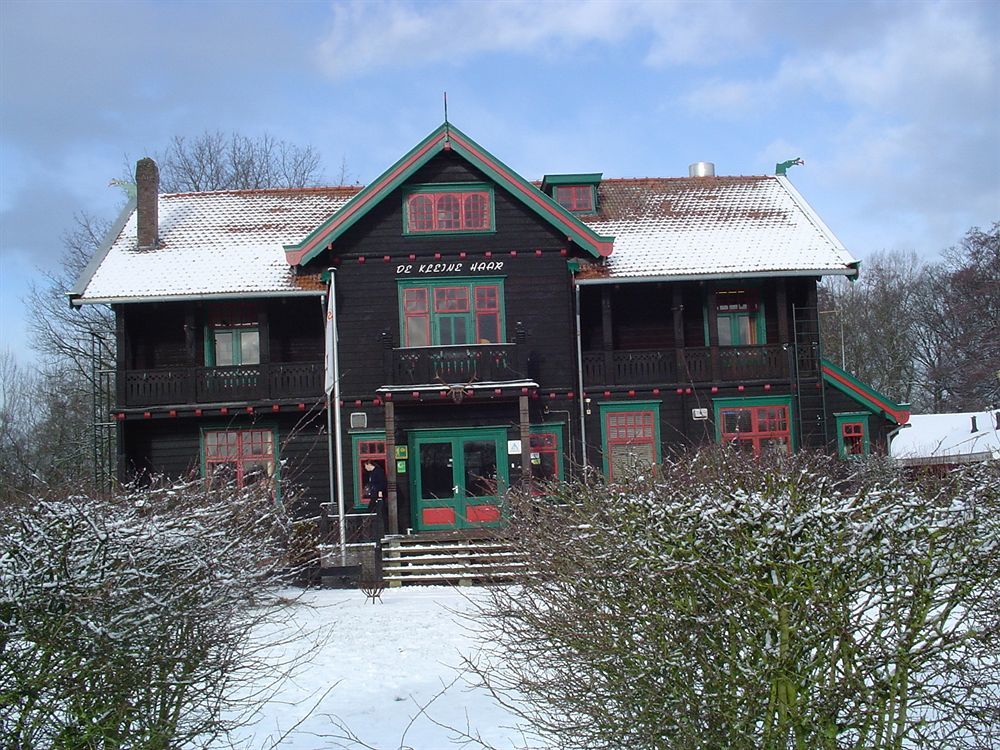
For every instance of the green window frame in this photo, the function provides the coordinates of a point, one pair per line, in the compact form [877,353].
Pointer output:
[366,446]
[756,424]
[232,346]
[630,433]
[852,434]
[449,208]
[545,454]
[739,317]
[452,311]
[243,454]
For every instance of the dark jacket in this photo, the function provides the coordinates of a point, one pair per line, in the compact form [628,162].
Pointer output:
[377,484]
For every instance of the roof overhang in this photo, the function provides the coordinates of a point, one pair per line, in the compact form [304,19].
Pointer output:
[864,394]
[714,276]
[447,138]
[76,301]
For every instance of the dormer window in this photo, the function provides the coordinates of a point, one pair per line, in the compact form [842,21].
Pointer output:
[577,198]
[574,192]
[439,209]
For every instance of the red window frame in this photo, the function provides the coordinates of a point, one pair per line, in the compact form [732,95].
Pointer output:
[853,436]
[242,450]
[368,450]
[631,428]
[575,197]
[766,424]
[479,302]
[448,211]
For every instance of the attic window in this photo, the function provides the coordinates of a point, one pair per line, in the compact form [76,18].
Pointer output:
[576,198]
[433,209]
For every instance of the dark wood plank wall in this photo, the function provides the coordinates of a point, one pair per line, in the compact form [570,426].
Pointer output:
[538,290]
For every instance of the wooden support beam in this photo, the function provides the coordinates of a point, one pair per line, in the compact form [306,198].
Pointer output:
[713,334]
[524,420]
[782,296]
[607,336]
[677,307]
[390,466]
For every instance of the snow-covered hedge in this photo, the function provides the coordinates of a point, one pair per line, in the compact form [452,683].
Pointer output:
[129,622]
[725,602]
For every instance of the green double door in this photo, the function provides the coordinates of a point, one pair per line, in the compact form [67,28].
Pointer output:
[458,478]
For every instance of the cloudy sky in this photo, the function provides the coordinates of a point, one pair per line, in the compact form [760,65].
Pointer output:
[895,106]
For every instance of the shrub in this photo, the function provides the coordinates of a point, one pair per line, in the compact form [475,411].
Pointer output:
[793,602]
[131,621]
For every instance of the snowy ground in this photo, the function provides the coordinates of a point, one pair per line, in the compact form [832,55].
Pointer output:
[385,662]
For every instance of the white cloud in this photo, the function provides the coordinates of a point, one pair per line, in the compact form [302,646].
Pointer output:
[366,36]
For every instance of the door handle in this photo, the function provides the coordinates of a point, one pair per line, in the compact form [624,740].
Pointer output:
[454,490]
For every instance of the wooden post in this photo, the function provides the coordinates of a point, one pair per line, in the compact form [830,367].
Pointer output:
[713,334]
[782,296]
[123,359]
[608,337]
[677,306]
[525,422]
[390,466]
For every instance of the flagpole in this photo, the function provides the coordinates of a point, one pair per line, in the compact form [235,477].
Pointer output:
[333,416]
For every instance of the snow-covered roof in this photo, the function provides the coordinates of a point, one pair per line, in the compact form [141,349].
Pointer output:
[712,226]
[948,438]
[217,244]
[231,243]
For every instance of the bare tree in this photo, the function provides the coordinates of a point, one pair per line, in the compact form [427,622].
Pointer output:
[217,161]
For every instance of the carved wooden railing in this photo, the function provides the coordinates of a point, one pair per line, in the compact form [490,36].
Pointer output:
[694,365]
[209,385]
[456,364]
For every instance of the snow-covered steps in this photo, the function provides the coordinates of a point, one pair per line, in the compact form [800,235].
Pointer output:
[448,558]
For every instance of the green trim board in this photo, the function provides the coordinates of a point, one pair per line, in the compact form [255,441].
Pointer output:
[232,426]
[749,401]
[859,417]
[579,178]
[447,138]
[864,394]
[356,439]
[449,187]
[614,407]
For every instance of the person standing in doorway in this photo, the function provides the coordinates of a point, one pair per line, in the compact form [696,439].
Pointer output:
[378,490]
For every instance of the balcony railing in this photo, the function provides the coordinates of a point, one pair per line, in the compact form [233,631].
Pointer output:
[690,365]
[455,364]
[209,385]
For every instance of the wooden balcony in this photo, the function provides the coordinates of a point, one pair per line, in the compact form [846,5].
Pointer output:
[473,363]
[690,365]
[212,385]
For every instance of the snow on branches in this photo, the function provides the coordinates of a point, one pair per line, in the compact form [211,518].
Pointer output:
[725,602]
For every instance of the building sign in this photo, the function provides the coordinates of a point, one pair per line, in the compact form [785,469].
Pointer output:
[461,266]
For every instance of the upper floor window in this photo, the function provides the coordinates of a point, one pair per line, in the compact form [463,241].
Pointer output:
[578,198]
[448,208]
[233,346]
[739,317]
[453,311]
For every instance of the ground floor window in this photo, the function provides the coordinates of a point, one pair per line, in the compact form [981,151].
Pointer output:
[852,434]
[240,457]
[631,437]
[758,426]
[365,447]
[545,455]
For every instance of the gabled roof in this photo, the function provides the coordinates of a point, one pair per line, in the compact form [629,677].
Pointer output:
[864,394]
[447,138]
[703,227]
[221,244]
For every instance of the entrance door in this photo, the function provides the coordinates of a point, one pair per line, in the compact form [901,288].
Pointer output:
[458,477]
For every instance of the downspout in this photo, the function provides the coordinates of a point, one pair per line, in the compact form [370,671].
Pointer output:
[333,415]
[579,371]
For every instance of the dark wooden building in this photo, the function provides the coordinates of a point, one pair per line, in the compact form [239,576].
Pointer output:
[490,329]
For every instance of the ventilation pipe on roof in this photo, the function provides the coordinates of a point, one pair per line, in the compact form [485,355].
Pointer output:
[147,198]
[975,427]
[701,169]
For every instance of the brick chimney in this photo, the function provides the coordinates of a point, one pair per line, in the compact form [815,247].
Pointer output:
[147,196]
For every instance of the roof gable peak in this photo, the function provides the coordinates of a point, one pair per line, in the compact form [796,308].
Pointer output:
[446,138]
